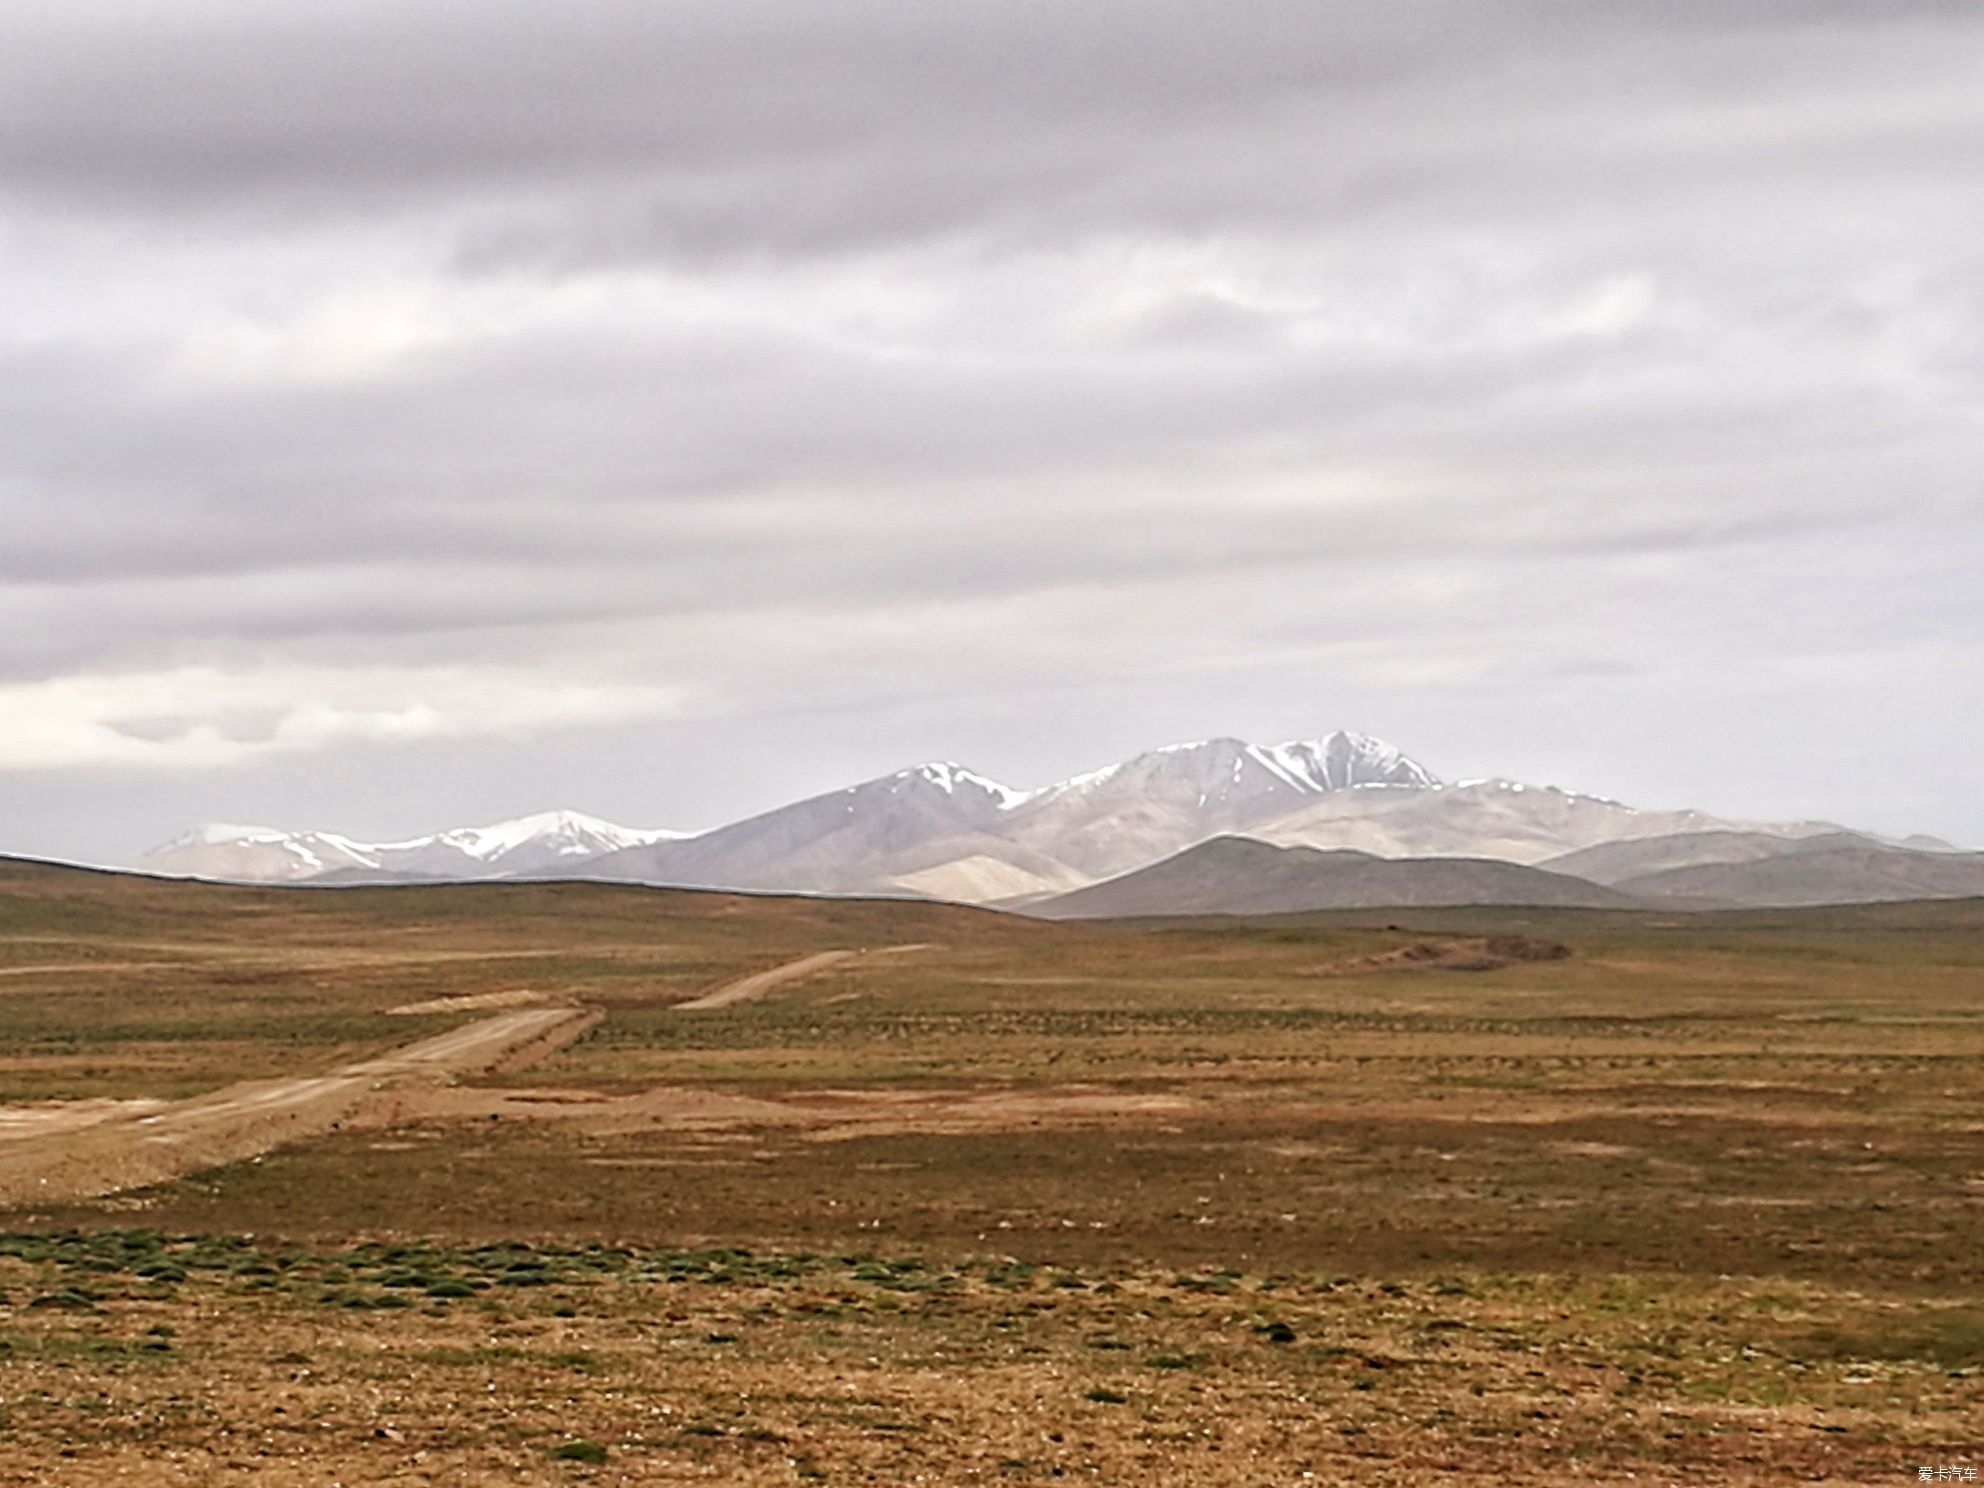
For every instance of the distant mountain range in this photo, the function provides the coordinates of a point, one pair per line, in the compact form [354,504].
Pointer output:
[549,842]
[1387,825]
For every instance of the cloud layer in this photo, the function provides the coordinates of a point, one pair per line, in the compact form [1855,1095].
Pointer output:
[731,396]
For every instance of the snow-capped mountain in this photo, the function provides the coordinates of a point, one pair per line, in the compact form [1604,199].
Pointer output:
[1110,820]
[948,832]
[1221,772]
[943,830]
[544,843]
[548,840]
[224,850]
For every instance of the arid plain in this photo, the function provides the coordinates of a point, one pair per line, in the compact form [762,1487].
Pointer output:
[458,1185]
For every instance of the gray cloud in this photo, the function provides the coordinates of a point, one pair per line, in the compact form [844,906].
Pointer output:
[1027,383]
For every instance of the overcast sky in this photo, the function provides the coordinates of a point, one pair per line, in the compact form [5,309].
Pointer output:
[415,414]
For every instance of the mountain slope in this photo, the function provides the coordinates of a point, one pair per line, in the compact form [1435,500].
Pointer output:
[1487,819]
[1615,862]
[1855,873]
[1238,875]
[844,841]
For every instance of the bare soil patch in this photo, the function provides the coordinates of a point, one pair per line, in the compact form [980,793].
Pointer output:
[192,1361]
[1462,953]
[473,1002]
[761,983]
[820,1116]
[62,1152]
[757,984]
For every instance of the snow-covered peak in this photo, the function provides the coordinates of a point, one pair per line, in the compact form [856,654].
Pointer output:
[1224,768]
[564,833]
[953,779]
[218,834]
[1342,760]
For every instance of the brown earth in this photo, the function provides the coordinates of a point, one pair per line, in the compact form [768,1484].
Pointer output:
[1693,1203]
[763,983]
[473,1002]
[819,1116]
[60,1152]
[759,984]
[1455,953]
[188,1363]
[81,1149]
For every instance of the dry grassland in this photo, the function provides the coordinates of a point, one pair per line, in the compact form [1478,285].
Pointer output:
[1505,1196]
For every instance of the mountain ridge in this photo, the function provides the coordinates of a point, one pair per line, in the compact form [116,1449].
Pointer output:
[1085,827]
[1862,872]
[943,830]
[1244,876]
[525,844]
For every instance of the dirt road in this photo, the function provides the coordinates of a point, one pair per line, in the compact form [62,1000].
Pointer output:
[83,1149]
[758,983]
